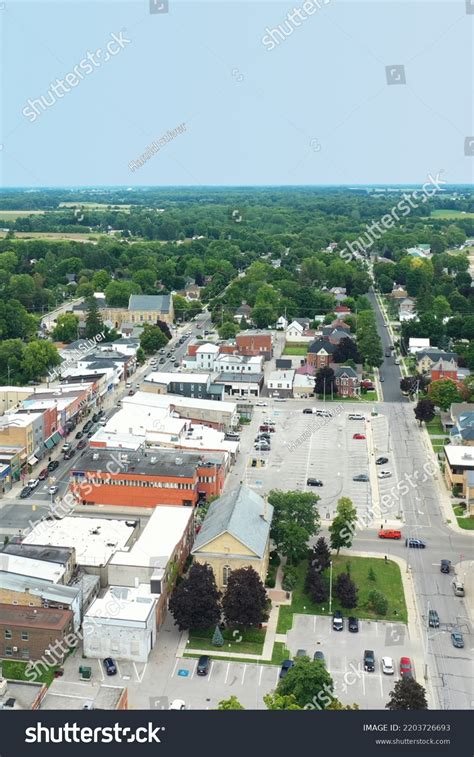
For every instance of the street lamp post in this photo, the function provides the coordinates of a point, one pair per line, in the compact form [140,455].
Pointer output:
[330,586]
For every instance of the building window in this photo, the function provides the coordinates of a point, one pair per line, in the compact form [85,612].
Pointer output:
[25,653]
[8,633]
[24,635]
[8,651]
[226,570]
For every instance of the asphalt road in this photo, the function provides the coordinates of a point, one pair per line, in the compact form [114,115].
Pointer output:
[391,373]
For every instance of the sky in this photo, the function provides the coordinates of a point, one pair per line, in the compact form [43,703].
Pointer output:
[352,93]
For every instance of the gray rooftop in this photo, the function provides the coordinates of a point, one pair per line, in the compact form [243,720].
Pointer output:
[38,587]
[160,302]
[239,513]
[322,344]
[239,378]
[38,552]
[159,462]
[345,370]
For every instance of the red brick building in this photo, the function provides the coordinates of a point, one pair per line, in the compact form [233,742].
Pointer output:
[163,477]
[444,369]
[320,353]
[26,633]
[347,381]
[255,342]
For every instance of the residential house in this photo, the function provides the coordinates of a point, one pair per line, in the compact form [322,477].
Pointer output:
[235,534]
[281,323]
[280,383]
[340,294]
[463,429]
[416,344]
[407,310]
[421,251]
[398,292]
[444,369]
[320,353]
[342,311]
[458,459]
[427,358]
[243,312]
[347,381]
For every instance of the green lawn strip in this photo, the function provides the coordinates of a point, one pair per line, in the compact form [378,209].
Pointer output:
[15,670]
[435,427]
[280,653]
[370,396]
[252,640]
[466,523]
[388,582]
[295,349]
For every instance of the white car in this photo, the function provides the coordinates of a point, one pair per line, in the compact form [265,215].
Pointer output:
[280,399]
[33,483]
[177,704]
[384,474]
[261,404]
[53,489]
[397,362]
[387,666]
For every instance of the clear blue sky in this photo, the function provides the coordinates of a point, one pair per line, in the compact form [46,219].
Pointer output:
[316,109]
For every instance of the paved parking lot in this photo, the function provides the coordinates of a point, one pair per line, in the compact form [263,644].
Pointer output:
[344,653]
[305,446]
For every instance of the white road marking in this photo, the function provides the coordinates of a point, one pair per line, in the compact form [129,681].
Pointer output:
[363,682]
[100,669]
[381,684]
[194,669]
[210,671]
[174,669]
[260,676]
[227,672]
[243,674]
[277,677]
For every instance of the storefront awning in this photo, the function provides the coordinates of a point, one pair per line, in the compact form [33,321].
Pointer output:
[32,460]
[49,443]
[56,437]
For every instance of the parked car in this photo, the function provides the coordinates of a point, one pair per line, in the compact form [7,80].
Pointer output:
[387,666]
[353,624]
[323,413]
[25,492]
[53,465]
[82,444]
[162,360]
[66,447]
[369,661]
[319,656]
[177,704]
[267,428]
[176,365]
[457,640]
[110,666]
[262,446]
[356,417]
[361,477]
[337,621]
[43,474]
[33,483]
[285,667]
[87,426]
[70,454]
[445,565]
[79,435]
[389,533]
[261,403]
[458,587]
[388,353]
[301,653]
[359,436]
[384,474]
[381,461]
[308,410]
[406,670]
[131,392]
[314,482]
[53,489]
[280,399]
[433,619]
[415,543]
[203,665]
[381,378]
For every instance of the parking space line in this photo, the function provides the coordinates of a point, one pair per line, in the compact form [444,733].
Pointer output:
[100,670]
[243,674]
[174,669]
[277,677]
[381,683]
[194,668]
[210,671]
[260,676]
[314,624]
[227,672]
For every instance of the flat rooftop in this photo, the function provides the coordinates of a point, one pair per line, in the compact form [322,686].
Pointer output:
[158,539]
[73,695]
[460,454]
[94,539]
[24,693]
[38,551]
[38,587]
[26,566]
[121,603]
[168,377]
[34,617]
[157,462]
[166,401]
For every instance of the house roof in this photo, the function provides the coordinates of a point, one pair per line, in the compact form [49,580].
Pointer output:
[322,344]
[160,302]
[241,514]
[243,310]
[435,354]
[444,365]
[345,370]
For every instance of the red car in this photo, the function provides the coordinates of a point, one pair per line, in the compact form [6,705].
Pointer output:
[406,670]
[268,429]
[359,436]
[43,474]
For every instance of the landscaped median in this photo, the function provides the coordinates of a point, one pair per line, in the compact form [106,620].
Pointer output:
[236,642]
[387,581]
[15,670]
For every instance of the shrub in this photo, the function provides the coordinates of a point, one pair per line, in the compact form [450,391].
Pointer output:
[290,578]
[377,602]
[271,576]
[274,558]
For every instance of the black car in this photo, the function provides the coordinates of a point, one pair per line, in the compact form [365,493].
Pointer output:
[87,426]
[433,619]
[95,418]
[68,455]
[369,661]
[319,656]
[381,461]
[25,492]
[415,543]
[353,624]
[82,444]
[53,465]
[361,477]
[110,666]
[308,410]
[203,665]
[285,667]
[445,566]
[79,435]
[313,482]
[337,621]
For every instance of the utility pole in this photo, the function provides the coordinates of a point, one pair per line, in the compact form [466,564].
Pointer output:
[330,586]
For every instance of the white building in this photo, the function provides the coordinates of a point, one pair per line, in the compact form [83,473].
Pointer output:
[121,624]
[294,331]
[238,363]
[206,354]
[280,383]
[415,345]
[282,323]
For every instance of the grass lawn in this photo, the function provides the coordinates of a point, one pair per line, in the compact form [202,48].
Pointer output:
[295,349]
[251,643]
[15,670]
[451,214]
[467,523]
[388,581]
[280,653]
[369,396]
[434,427]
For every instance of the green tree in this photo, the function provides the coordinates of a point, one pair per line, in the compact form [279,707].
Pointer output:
[101,280]
[407,694]
[342,527]
[321,553]
[152,339]
[194,602]
[443,393]
[245,600]
[94,322]
[346,591]
[316,585]
[264,316]
[377,602]
[66,328]
[325,383]
[309,682]
[38,359]
[141,356]
[117,293]
[230,704]
[424,411]
[295,521]
[228,330]
[217,639]
[275,701]
[181,307]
